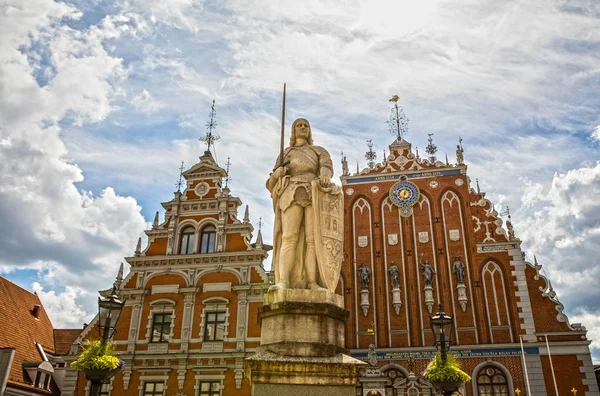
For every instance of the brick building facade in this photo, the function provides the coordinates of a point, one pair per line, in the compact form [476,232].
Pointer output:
[496,299]
[192,296]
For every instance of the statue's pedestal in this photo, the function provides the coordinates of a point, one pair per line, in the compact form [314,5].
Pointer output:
[302,346]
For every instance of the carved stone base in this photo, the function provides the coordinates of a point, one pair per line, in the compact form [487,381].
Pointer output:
[429,298]
[396,302]
[302,328]
[274,375]
[302,346]
[462,296]
[364,301]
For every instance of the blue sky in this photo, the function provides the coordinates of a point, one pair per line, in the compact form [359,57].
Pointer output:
[101,100]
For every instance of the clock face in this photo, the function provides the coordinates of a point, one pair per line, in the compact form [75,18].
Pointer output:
[404,194]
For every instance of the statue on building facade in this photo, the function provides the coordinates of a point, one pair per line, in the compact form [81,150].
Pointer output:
[308,230]
[428,273]
[364,273]
[393,271]
[458,268]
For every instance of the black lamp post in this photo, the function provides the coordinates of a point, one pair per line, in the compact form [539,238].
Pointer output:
[109,311]
[442,327]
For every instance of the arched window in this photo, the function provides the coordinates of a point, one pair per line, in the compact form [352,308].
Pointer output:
[187,241]
[207,239]
[491,381]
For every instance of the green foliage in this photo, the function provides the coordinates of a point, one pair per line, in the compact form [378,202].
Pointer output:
[448,371]
[96,355]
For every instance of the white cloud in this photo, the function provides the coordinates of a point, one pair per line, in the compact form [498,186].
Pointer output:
[63,309]
[596,133]
[73,237]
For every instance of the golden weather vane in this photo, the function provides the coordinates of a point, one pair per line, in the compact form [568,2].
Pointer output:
[398,123]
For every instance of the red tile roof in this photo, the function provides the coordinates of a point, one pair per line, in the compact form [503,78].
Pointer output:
[63,338]
[20,330]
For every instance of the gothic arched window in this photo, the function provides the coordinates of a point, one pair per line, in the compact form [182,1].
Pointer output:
[491,381]
[187,241]
[207,239]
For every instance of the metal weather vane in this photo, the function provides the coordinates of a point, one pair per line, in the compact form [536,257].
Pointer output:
[431,148]
[227,178]
[210,138]
[398,123]
[179,183]
[370,155]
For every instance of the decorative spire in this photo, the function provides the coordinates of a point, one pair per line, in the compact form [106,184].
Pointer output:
[259,239]
[138,248]
[384,157]
[417,149]
[227,178]
[370,155]
[179,183]
[260,223]
[477,183]
[247,215]
[210,138]
[119,277]
[357,170]
[155,223]
[459,152]
[447,163]
[398,123]
[431,148]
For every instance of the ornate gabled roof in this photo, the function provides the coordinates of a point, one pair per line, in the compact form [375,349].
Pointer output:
[207,165]
[402,158]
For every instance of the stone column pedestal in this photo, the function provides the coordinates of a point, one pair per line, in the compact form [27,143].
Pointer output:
[302,346]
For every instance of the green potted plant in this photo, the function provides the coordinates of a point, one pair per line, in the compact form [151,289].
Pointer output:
[98,361]
[445,374]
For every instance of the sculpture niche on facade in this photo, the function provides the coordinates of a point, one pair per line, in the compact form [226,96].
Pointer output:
[308,231]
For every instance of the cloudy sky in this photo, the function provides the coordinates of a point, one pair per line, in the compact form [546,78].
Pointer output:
[101,100]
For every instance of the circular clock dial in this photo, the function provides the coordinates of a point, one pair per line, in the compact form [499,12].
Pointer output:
[404,194]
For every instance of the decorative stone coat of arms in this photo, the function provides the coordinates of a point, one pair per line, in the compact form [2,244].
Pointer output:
[423,237]
[363,241]
[393,239]
[454,235]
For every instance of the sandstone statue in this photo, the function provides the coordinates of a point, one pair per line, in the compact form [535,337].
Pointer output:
[428,273]
[364,273]
[393,271]
[308,231]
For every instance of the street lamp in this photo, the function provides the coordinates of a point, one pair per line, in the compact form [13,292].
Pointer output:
[109,310]
[442,326]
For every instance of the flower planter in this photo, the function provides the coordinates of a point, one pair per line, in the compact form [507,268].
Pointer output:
[100,375]
[446,386]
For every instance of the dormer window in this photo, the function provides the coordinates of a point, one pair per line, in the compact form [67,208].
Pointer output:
[187,241]
[207,239]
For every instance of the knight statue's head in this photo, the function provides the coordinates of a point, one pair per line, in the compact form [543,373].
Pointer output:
[301,128]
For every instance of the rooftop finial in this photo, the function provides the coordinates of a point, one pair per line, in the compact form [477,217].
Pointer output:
[417,150]
[180,181]
[155,223]
[447,163]
[357,170]
[384,156]
[370,155]
[459,152]
[509,226]
[398,123]
[138,248]
[477,183]
[227,178]
[431,148]
[247,215]
[119,277]
[260,223]
[209,139]
[345,171]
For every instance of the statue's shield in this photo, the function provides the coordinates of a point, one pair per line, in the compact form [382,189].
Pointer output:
[329,232]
